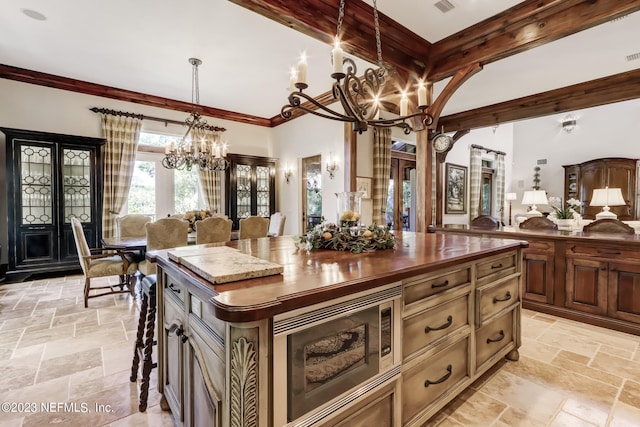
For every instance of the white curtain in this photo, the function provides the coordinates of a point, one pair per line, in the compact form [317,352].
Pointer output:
[381,173]
[122,135]
[475,177]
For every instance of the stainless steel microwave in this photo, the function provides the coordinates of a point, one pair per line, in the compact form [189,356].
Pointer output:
[323,352]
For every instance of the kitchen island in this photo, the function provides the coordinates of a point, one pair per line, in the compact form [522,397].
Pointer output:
[384,338]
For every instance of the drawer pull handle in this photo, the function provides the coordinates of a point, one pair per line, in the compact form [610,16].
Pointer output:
[445,377]
[507,297]
[500,338]
[178,331]
[428,329]
[174,289]
[496,266]
[441,285]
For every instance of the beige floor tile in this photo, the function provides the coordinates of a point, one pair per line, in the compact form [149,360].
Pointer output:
[564,419]
[630,394]
[513,417]
[596,414]
[40,318]
[153,417]
[566,341]
[36,335]
[67,365]
[537,350]
[625,416]
[478,410]
[583,369]
[617,366]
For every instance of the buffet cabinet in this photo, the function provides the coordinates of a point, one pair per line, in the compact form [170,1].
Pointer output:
[581,179]
[406,348]
[50,178]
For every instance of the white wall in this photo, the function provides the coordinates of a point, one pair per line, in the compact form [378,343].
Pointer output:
[500,140]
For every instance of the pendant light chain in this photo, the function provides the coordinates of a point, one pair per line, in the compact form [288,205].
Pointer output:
[376,24]
[340,18]
[195,84]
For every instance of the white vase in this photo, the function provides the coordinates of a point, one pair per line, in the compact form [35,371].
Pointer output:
[565,223]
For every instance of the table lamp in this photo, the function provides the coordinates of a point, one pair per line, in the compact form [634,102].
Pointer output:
[510,197]
[607,197]
[533,198]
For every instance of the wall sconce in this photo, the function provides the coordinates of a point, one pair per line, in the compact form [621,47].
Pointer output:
[331,166]
[287,172]
[568,123]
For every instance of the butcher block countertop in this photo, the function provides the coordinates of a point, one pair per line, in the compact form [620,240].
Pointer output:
[320,275]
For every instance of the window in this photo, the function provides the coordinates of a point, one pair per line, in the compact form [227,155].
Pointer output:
[180,189]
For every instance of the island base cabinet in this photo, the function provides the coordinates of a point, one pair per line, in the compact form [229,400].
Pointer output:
[173,359]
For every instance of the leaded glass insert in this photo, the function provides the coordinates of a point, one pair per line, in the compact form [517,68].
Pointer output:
[36,184]
[262,187]
[243,194]
[76,171]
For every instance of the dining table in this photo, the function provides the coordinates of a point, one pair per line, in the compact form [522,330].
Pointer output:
[140,243]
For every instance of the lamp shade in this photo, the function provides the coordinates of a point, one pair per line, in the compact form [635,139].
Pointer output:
[510,196]
[533,198]
[606,197]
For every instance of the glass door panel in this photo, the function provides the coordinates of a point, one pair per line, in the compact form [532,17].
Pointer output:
[76,184]
[311,192]
[36,185]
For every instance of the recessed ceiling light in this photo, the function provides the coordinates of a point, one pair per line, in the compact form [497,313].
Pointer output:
[34,15]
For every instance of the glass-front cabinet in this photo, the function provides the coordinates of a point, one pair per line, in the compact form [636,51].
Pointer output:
[50,179]
[251,189]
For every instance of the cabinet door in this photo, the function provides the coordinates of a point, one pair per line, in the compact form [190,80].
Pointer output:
[621,173]
[587,285]
[624,292]
[592,176]
[571,182]
[377,410]
[537,277]
[172,363]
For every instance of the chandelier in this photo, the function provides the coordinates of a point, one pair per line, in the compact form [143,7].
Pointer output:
[193,149]
[360,97]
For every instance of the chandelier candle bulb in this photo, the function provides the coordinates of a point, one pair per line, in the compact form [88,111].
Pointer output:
[422,95]
[293,78]
[404,104]
[302,69]
[337,57]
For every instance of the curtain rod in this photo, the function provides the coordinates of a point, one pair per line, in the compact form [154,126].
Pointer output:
[155,119]
[488,150]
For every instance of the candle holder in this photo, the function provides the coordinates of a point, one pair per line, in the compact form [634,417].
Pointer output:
[349,208]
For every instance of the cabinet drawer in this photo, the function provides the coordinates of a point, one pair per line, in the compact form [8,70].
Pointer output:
[427,327]
[433,377]
[494,336]
[534,246]
[602,252]
[494,297]
[174,288]
[203,311]
[421,287]
[498,266]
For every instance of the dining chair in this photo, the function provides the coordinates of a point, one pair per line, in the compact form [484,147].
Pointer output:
[538,223]
[608,226]
[486,222]
[132,225]
[164,233]
[96,263]
[254,227]
[276,224]
[213,230]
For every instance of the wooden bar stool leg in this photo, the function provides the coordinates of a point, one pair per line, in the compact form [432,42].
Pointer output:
[139,338]
[147,364]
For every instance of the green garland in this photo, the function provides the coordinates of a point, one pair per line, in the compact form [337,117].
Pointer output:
[353,239]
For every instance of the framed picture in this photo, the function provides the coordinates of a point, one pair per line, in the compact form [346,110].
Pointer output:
[455,189]
[364,185]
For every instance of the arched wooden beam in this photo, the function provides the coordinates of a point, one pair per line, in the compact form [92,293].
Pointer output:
[454,84]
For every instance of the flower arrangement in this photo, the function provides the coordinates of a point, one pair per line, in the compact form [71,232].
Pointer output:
[196,215]
[328,235]
[568,210]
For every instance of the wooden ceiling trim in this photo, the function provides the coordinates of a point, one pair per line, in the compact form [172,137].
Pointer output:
[65,83]
[606,90]
[531,24]
[401,48]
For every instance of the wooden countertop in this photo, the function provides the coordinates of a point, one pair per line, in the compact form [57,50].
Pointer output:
[321,275]
[516,233]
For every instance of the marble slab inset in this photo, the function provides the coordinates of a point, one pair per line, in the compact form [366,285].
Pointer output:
[227,266]
[177,253]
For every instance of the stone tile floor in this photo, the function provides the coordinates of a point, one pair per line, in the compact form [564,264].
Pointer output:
[54,351]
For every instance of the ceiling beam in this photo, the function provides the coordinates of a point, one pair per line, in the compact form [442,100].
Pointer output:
[525,26]
[73,85]
[401,48]
[606,90]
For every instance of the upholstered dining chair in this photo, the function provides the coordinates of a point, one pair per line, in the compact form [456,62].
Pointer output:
[254,227]
[132,225]
[276,224]
[164,233]
[213,230]
[96,263]
[608,226]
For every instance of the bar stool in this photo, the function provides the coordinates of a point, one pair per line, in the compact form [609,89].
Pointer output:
[144,341]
